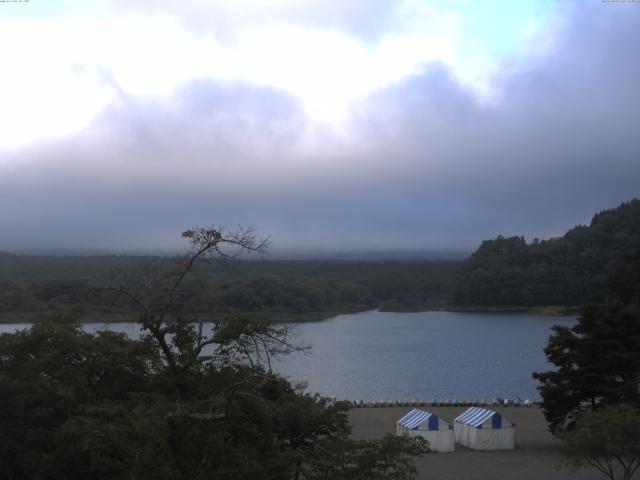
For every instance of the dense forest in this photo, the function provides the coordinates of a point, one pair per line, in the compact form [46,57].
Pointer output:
[571,270]
[37,287]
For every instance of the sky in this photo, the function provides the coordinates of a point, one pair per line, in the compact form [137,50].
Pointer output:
[330,126]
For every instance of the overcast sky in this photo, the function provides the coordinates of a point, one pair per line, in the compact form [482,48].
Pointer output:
[351,125]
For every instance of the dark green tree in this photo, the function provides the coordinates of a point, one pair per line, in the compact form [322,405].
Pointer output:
[607,440]
[598,359]
[57,381]
[180,403]
[571,270]
[388,459]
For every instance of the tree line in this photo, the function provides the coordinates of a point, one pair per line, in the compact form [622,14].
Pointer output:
[37,287]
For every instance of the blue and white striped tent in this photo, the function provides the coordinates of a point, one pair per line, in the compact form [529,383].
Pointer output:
[436,431]
[482,429]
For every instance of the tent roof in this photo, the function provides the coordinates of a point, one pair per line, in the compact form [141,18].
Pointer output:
[475,416]
[414,418]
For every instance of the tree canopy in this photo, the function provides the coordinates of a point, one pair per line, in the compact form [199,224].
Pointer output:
[34,287]
[570,270]
[179,403]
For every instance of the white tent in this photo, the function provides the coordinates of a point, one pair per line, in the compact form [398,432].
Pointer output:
[482,429]
[418,423]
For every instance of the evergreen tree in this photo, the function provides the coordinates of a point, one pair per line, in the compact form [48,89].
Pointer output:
[598,359]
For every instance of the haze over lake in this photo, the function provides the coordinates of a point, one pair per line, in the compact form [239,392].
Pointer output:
[425,355]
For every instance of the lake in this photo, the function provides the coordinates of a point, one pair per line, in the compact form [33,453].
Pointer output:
[383,355]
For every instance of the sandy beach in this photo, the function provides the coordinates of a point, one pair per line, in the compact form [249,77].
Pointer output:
[535,458]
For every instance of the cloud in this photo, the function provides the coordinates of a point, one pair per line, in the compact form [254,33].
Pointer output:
[68,68]
[424,164]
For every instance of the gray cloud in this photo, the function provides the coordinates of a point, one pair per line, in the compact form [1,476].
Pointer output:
[425,165]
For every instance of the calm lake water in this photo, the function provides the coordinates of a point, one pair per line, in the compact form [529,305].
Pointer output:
[382,355]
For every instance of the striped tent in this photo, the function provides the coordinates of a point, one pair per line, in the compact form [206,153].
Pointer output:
[436,431]
[482,429]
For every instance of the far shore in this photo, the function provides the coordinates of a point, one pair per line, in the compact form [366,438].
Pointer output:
[291,317]
[536,456]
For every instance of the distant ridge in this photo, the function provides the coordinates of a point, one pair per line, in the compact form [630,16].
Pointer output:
[274,254]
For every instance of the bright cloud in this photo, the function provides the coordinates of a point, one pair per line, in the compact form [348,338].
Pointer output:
[60,71]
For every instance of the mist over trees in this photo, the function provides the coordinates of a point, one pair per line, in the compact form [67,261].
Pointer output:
[571,271]
[32,287]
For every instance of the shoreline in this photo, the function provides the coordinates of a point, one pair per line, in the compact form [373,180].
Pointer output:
[290,317]
[550,310]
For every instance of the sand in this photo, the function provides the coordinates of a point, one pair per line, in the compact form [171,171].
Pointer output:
[535,458]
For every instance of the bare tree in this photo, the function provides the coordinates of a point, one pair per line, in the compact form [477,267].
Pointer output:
[254,340]
[173,323]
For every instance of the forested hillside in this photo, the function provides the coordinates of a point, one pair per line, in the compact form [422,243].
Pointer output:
[34,287]
[572,270]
